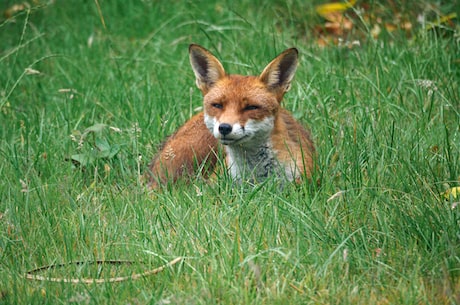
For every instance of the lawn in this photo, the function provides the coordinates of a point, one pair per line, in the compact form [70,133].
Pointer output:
[90,89]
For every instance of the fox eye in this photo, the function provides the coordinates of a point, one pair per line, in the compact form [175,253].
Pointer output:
[251,107]
[217,105]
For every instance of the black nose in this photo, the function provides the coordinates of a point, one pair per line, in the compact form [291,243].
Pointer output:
[225,129]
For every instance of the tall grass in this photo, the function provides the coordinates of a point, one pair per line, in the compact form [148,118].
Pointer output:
[84,107]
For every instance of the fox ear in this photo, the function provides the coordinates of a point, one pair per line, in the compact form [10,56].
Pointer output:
[279,73]
[207,68]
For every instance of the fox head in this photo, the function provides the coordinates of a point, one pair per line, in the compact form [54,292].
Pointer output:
[242,109]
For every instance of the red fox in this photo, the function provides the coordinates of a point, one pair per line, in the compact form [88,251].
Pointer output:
[244,115]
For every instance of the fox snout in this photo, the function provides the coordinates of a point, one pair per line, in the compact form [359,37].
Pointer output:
[249,133]
[225,132]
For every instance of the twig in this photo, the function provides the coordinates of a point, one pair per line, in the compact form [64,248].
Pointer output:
[30,275]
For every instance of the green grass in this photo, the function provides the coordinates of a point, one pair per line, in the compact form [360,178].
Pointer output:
[385,116]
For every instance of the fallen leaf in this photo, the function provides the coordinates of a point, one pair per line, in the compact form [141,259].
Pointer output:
[107,169]
[338,28]
[406,26]
[30,71]
[453,192]
[375,31]
[322,42]
[16,8]
[335,7]
[335,196]
[390,27]
[440,21]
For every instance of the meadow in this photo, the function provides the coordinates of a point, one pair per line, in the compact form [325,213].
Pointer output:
[90,89]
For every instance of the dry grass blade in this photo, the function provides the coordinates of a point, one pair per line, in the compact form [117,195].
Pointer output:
[31,276]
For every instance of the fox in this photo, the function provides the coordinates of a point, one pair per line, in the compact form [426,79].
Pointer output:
[242,117]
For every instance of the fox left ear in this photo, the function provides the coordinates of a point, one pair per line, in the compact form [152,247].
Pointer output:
[279,73]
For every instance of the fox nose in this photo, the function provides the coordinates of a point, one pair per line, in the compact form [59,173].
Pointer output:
[225,129]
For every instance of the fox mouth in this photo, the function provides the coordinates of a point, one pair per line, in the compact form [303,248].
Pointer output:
[229,141]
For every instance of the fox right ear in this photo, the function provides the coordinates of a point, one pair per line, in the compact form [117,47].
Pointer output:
[280,72]
[207,68]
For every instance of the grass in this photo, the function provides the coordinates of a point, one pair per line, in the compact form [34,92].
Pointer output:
[84,107]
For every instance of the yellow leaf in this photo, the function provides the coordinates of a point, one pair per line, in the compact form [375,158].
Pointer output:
[453,192]
[440,21]
[334,7]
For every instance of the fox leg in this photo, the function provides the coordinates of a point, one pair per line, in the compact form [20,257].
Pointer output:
[188,152]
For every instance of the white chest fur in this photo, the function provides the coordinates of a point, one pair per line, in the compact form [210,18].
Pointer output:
[253,164]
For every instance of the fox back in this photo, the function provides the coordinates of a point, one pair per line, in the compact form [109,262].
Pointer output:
[244,114]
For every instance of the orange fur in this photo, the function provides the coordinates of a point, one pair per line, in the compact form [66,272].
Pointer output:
[243,113]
